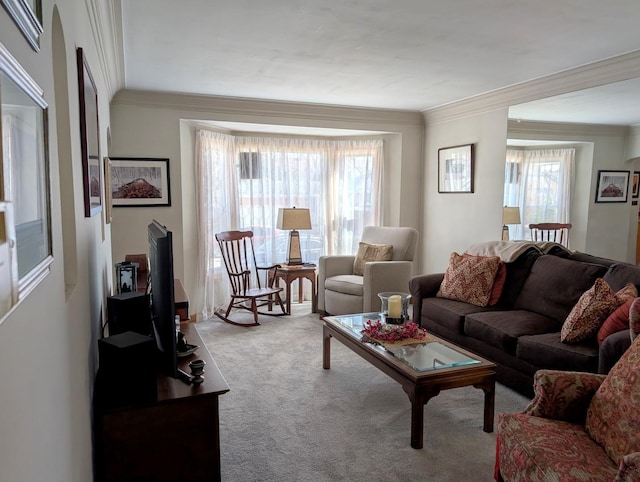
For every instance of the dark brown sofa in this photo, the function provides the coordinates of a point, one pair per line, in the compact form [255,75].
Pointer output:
[521,334]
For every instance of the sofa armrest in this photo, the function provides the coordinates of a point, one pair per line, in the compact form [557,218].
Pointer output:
[563,395]
[423,286]
[382,276]
[629,470]
[329,266]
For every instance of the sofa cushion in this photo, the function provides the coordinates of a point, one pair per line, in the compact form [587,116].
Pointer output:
[555,284]
[371,252]
[615,322]
[469,278]
[620,274]
[345,283]
[502,328]
[613,418]
[540,449]
[517,273]
[449,313]
[591,310]
[547,351]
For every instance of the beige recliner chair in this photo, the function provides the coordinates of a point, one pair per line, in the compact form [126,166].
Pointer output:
[340,291]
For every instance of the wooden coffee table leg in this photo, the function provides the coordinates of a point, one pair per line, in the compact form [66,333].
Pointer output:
[418,400]
[489,388]
[326,349]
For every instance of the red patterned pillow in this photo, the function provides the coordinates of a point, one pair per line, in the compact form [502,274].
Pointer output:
[469,279]
[629,292]
[613,417]
[617,321]
[593,307]
[634,318]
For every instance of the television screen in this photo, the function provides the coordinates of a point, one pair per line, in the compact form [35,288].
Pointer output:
[162,296]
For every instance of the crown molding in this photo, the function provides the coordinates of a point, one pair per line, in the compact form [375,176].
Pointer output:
[106,26]
[613,69]
[267,108]
[552,130]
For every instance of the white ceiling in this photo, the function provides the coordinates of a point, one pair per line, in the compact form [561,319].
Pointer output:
[396,54]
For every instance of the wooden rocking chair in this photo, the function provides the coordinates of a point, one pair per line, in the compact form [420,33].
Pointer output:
[239,258]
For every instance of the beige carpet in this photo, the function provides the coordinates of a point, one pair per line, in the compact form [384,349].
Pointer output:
[288,419]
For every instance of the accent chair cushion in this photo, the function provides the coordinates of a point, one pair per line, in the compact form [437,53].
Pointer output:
[371,252]
[586,317]
[469,279]
[613,418]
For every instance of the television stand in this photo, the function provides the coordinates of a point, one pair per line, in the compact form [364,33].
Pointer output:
[174,437]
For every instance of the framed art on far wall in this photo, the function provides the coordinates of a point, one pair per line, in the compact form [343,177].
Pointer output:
[89,138]
[612,186]
[137,182]
[635,185]
[455,169]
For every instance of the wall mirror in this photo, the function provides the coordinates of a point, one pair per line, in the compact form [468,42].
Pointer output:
[25,175]
[597,123]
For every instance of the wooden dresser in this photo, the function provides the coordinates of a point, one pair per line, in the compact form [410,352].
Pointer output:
[173,438]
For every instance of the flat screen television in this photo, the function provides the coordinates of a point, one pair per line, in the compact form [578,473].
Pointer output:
[162,297]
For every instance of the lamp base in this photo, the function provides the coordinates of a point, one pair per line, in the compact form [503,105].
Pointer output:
[505,232]
[295,255]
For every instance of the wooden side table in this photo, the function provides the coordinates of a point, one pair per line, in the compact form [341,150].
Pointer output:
[292,273]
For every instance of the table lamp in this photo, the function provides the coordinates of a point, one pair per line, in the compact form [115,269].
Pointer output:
[294,219]
[510,215]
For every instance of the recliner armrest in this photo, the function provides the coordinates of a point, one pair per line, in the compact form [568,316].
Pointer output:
[329,266]
[563,395]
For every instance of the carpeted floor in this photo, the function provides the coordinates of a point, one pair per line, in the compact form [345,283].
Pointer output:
[288,419]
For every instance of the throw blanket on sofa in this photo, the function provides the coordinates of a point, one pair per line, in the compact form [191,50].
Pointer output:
[509,251]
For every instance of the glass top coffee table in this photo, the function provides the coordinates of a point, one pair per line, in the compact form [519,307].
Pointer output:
[423,370]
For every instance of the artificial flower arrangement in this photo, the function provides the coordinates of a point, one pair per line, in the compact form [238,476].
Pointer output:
[377,332]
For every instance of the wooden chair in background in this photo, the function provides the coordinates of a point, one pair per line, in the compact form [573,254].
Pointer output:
[250,284]
[554,232]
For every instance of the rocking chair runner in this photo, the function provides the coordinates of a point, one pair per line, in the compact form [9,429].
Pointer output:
[239,258]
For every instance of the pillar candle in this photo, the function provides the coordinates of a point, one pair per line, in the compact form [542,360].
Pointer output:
[395,306]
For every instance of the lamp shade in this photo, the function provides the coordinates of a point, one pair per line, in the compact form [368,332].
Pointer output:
[511,215]
[293,218]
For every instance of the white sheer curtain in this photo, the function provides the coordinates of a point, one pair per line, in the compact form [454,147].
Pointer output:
[216,210]
[539,182]
[243,181]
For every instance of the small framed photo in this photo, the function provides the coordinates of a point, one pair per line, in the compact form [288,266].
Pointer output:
[455,169]
[137,182]
[635,185]
[612,186]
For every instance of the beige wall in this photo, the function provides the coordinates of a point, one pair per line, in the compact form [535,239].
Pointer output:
[47,344]
[149,124]
[453,222]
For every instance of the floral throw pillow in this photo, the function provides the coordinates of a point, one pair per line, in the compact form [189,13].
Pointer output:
[586,317]
[469,279]
[628,292]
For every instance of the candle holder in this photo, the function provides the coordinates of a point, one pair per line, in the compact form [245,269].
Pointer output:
[395,307]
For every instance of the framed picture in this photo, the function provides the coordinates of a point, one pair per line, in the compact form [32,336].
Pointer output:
[89,138]
[106,162]
[140,182]
[455,169]
[27,15]
[25,218]
[635,185]
[612,186]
